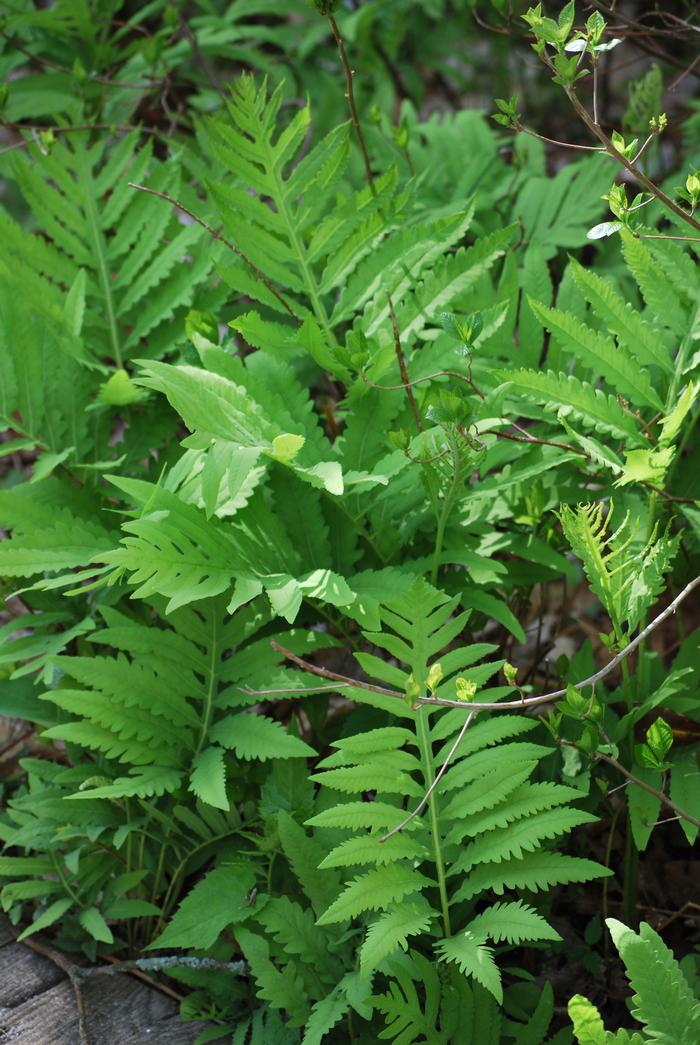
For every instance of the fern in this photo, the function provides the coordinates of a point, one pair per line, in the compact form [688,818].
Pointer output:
[66,189]
[166,715]
[626,586]
[663,1001]
[422,624]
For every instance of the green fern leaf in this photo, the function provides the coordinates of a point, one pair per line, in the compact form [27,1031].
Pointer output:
[69,543]
[208,777]
[637,336]
[374,891]
[571,396]
[658,291]
[598,352]
[282,989]
[663,1000]
[515,922]
[473,959]
[391,931]
[376,776]
[523,836]
[220,899]
[367,849]
[524,800]
[535,871]
[146,782]
[375,816]
[254,736]
[304,855]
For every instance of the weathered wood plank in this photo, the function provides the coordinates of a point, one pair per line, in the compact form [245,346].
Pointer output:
[38,1004]
[118,1009]
[24,974]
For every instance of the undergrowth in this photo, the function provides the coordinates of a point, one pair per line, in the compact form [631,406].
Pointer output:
[303,412]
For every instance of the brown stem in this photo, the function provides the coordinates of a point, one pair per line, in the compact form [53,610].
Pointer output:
[217,235]
[351,102]
[532,439]
[553,141]
[640,783]
[324,673]
[403,369]
[510,705]
[639,175]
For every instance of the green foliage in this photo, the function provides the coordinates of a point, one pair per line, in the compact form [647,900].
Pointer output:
[664,1002]
[319,407]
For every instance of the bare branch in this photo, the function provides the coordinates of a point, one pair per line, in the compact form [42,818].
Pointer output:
[217,235]
[508,705]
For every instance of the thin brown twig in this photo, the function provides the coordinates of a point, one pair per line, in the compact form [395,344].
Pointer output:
[419,380]
[510,705]
[601,756]
[351,102]
[553,141]
[324,673]
[532,439]
[439,775]
[217,235]
[403,370]
[636,173]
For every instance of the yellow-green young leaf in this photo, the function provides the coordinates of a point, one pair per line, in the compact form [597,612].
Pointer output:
[434,677]
[588,1025]
[286,447]
[465,689]
[660,738]
[672,422]
[119,390]
[93,923]
[645,466]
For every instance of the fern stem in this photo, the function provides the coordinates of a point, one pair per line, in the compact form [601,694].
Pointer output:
[403,369]
[424,739]
[101,257]
[65,883]
[309,278]
[209,699]
[171,894]
[222,239]
[444,515]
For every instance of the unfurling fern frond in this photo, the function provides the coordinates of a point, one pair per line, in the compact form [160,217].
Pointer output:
[626,574]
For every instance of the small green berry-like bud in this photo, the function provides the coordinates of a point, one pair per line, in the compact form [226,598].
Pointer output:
[466,689]
[434,677]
